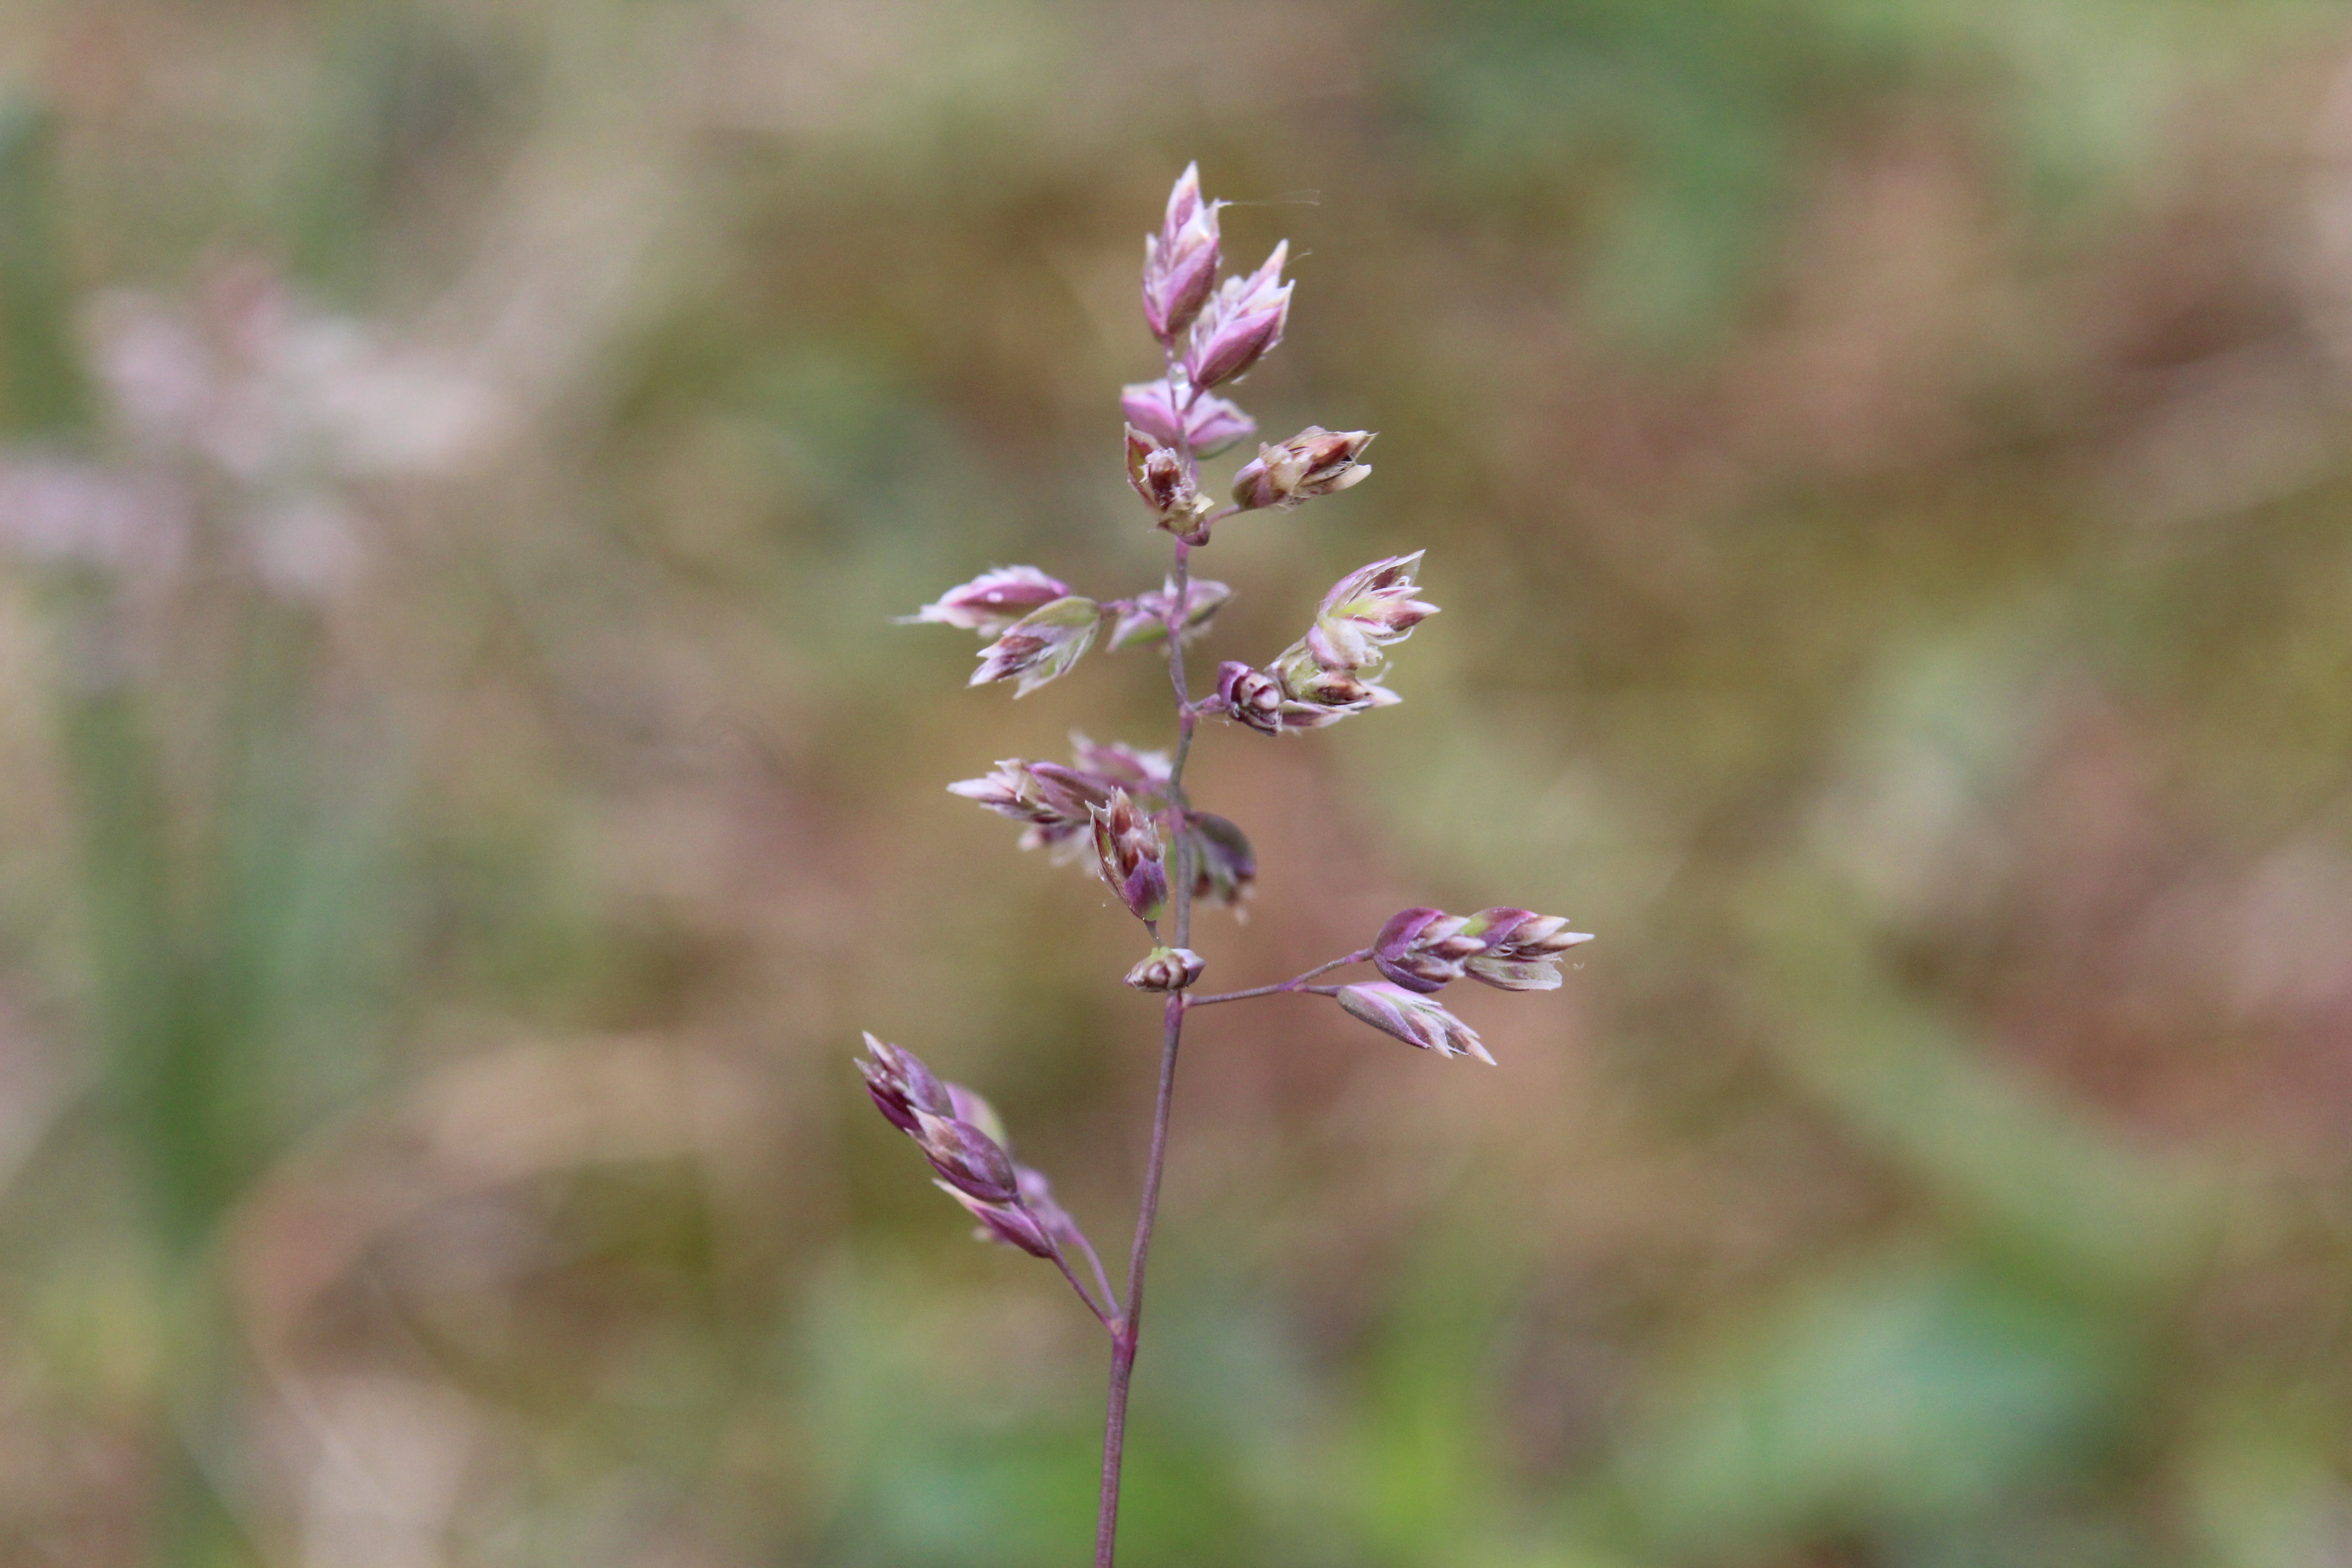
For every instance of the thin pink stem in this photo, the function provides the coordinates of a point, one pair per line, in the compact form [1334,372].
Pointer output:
[1129,1329]
[1102,1314]
[1094,1261]
[1186,721]
[1295,983]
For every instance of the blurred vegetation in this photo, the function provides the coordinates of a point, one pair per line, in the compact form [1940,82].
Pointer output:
[1885,463]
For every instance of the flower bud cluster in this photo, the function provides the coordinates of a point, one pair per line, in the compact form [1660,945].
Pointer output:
[1173,414]
[1315,462]
[1040,627]
[1224,866]
[1333,670]
[1412,1018]
[1367,611]
[1056,803]
[991,601]
[1226,328]
[1520,950]
[960,1134]
[1421,950]
[1165,481]
[1143,774]
[1295,693]
[1056,807]
[1180,262]
[1041,646]
[1128,854]
[1241,323]
[1143,621]
[1509,949]
[1167,969]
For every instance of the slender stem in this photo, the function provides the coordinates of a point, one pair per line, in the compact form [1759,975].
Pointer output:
[1185,723]
[1129,1329]
[1295,983]
[1094,1261]
[1282,989]
[1103,1313]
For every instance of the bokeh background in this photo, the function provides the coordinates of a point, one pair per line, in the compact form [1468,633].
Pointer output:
[1886,466]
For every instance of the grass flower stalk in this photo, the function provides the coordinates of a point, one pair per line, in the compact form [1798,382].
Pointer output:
[1159,855]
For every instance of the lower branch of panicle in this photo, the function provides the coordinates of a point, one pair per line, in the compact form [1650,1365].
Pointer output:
[1295,983]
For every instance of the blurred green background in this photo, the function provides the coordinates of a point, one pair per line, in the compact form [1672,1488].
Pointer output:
[1885,463]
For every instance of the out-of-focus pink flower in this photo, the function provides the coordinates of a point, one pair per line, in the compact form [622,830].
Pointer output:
[265,407]
[269,389]
[60,511]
